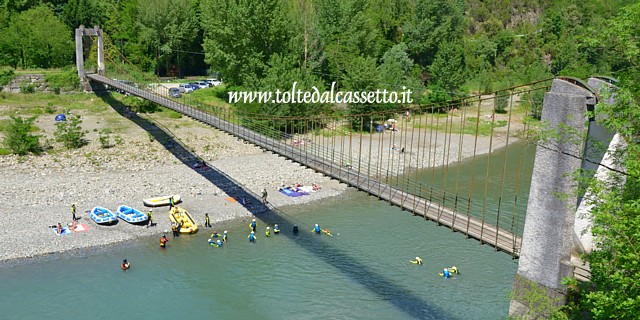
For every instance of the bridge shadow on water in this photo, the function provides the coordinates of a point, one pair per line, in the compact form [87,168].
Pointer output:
[406,301]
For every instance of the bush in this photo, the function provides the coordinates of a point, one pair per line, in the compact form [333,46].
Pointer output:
[70,133]
[501,101]
[17,137]
[66,80]
[6,75]
[140,105]
[27,88]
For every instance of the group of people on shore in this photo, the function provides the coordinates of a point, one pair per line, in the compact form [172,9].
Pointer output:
[72,225]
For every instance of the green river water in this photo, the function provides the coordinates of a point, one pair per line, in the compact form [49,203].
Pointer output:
[361,272]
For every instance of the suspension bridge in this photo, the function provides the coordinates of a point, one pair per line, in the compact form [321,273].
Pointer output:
[509,199]
[409,157]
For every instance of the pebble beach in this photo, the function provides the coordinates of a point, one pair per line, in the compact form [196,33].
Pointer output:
[39,190]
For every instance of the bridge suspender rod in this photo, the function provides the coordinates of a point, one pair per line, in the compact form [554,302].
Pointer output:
[370,152]
[417,157]
[408,173]
[504,166]
[473,162]
[488,169]
[462,111]
[516,212]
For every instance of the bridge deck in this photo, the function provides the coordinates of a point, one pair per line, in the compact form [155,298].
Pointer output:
[470,226]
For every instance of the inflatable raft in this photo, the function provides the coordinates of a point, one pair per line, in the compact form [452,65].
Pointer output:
[180,215]
[102,215]
[162,201]
[131,215]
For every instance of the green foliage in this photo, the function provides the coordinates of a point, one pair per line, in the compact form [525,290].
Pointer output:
[241,37]
[65,80]
[140,105]
[70,133]
[6,75]
[501,101]
[448,68]
[27,87]
[18,139]
[105,138]
[433,23]
[83,12]
[538,301]
[615,262]
[35,38]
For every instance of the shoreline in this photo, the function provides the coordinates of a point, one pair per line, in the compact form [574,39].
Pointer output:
[41,189]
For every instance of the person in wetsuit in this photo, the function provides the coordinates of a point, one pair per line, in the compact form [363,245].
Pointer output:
[163,241]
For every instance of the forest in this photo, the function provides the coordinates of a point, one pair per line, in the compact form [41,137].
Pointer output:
[441,49]
[445,48]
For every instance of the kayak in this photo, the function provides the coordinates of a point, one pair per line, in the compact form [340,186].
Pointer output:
[131,215]
[161,201]
[180,215]
[102,215]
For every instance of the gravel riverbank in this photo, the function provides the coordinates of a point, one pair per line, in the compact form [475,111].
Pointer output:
[38,190]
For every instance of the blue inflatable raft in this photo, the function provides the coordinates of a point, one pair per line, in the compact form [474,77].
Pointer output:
[131,215]
[103,215]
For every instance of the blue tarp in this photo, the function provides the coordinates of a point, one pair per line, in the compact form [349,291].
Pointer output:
[61,117]
[292,193]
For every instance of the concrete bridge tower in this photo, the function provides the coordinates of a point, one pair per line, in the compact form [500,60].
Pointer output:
[81,32]
[552,230]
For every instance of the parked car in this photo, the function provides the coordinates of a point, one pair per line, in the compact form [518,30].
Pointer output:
[187,87]
[175,92]
[214,82]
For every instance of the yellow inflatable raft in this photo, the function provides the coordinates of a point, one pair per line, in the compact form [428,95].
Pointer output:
[180,215]
[161,201]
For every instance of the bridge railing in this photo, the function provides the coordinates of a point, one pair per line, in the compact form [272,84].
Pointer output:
[334,161]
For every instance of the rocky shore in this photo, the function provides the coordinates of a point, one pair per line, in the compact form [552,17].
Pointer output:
[39,190]
[155,156]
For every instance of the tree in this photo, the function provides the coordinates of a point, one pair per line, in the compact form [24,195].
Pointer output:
[82,12]
[448,68]
[615,262]
[433,23]
[36,38]
[241,36]
[167,27]
[19,140]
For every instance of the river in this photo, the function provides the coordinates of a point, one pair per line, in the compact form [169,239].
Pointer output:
[361,272]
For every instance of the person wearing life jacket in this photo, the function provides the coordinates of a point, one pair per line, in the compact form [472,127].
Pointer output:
[267,232]
[418,260]
[252,237]
[445,273]
[224,236]
[327,232]
[454,269]
[276,229]
[215,243]
[295,229]
[253,225]
[163,241]
[174,229]
[150,220]
[125,264]
[215,234]
[316,229]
